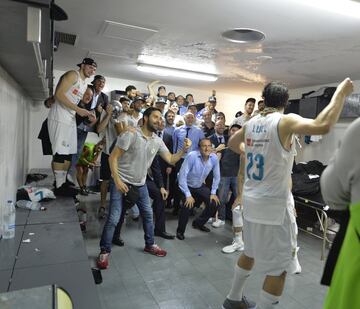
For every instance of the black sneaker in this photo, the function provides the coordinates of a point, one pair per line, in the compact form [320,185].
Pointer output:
[76,201]
[64,190]
[83,192]
[244,303]
[69,183]
[118,241]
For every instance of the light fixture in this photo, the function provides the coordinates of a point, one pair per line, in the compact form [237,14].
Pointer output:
[175,72]
[342,7]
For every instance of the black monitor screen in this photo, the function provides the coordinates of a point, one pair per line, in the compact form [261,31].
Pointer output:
[308,107]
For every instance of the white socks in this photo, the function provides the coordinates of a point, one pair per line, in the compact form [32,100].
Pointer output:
[267,301]
[237,288]
[60,177]
[238,237]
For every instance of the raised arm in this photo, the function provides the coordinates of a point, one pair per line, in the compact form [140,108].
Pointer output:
[105,120]
[173,158]
[294,124]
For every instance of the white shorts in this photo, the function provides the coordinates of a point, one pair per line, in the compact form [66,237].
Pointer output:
[63,137]
[270,245]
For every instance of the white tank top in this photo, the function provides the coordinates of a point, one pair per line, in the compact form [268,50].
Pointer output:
[75,93]
[267,171]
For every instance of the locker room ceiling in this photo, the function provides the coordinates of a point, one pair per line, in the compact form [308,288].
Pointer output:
[307,45]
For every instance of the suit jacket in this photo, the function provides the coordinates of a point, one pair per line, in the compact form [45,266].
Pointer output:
[215,141]
[167,138]
[155,173]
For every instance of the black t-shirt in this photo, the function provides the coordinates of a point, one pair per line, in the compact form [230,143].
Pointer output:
[229,163]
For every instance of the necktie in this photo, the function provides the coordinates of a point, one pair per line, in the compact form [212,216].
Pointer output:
[159,134]
[220,139]
[187,132]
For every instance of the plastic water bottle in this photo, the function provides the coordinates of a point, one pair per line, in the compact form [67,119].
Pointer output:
[28,205]
[9,221]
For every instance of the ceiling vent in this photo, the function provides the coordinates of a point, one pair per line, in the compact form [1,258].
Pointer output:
[128,32]
[243,35]
[65,38]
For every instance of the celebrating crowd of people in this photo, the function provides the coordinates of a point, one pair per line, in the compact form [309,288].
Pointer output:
[182,155]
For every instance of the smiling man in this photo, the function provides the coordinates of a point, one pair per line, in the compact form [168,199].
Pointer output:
[129,161]
[196,167]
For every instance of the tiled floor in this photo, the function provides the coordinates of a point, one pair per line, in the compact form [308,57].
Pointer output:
[194,274]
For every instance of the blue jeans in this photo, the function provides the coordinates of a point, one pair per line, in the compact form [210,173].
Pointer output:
[226,183]
[115,208]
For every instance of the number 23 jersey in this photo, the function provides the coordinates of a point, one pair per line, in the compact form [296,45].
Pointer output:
[267,171]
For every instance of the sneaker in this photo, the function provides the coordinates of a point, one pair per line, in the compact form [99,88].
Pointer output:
[295,265]
[101,213]
[102,261]
[244,303]
[64,190]
[211,220]
[83,226]
[237,245]
[83,191]
[155,250]
[76,201]
[118,241]
[218,223]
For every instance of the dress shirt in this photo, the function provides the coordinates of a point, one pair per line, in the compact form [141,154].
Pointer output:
[194,134]
[182,110]
[194,171]
[169,130]
[95,99]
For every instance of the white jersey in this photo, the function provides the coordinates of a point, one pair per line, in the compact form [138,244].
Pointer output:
[63,114]
[267,171]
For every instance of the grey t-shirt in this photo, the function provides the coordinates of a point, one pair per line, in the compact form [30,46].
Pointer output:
[138,156]
[129,120]
[240,120]
[340,181]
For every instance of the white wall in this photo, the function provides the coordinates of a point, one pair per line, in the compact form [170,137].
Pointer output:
[325,148]
[14,127]
[227,103]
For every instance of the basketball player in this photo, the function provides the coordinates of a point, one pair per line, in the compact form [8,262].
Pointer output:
[62,122]
[269,153]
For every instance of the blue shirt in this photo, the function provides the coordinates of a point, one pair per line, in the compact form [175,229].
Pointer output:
[195,135]
[194,171]
[169,130]
[182,110]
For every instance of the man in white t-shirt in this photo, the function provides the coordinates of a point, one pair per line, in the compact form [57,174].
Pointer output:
[249,108]
[269,153]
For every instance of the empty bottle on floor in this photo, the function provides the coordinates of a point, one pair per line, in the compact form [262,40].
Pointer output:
[9,221]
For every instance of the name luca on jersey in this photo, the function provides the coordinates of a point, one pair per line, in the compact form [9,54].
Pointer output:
[258,129]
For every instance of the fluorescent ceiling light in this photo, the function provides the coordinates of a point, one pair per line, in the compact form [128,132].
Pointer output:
[166,71]
[343,7]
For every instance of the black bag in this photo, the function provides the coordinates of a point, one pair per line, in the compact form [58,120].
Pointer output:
[131,197]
